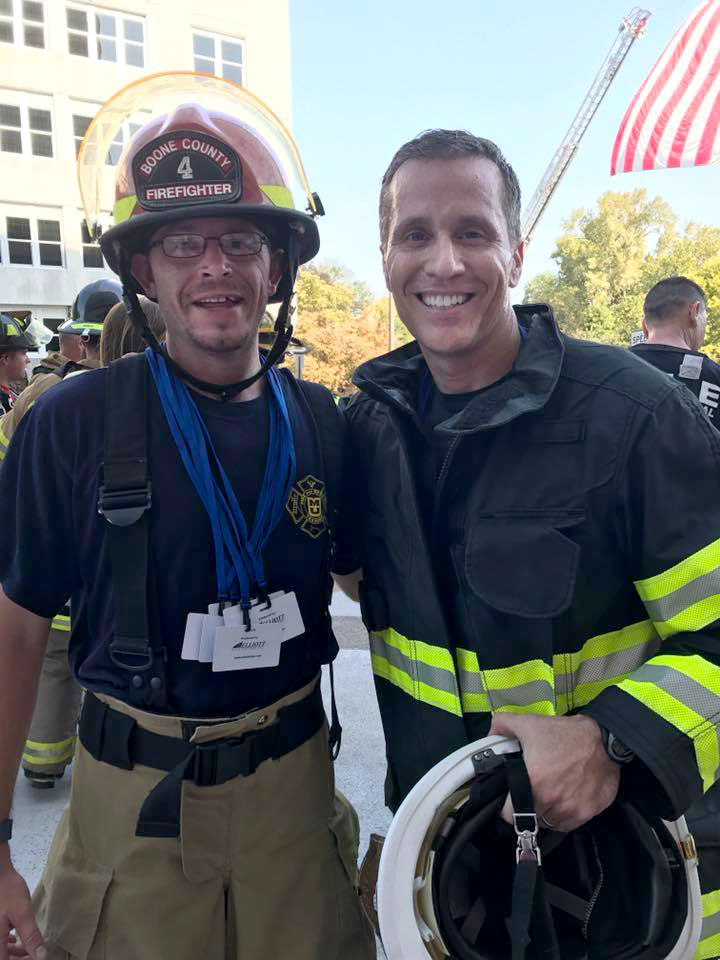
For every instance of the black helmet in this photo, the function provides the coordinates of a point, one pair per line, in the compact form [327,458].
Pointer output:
[13,336]
[91,307]
[457,881]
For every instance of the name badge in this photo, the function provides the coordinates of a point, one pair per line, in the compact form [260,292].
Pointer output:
[239,649]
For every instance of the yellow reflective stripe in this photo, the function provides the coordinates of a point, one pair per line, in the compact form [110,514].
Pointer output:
[277,195]
[521,688]
[123,208]
[425,672]
[696,565]
[709,946]
[45,754]
[61,622]
[645,686]
[416,689]
[4,444]
[602,661]
[685,597]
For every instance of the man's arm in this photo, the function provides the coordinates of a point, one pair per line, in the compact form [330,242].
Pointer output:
[23,637]
[349,583]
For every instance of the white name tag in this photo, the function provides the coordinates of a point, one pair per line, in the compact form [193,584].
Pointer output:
[207,640]
[292,621]
[193,634]
[239,649]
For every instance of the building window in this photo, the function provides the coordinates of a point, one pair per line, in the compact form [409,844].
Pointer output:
[92,254]
[23,22]
[10,129]
[25,128]
[126,132]
[40,123]
[19,245]
[49,246]
[80,125]
[105,35]
[222,56]
[34,242]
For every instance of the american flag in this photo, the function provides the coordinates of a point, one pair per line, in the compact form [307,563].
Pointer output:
[674,118]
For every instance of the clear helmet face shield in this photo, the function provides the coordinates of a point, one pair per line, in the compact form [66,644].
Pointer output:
[195,145]
[407,904]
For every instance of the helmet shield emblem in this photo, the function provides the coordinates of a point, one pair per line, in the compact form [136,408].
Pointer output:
[182,168]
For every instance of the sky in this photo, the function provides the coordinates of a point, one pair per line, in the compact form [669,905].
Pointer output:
[368,76]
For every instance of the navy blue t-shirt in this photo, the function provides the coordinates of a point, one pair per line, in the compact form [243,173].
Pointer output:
[54,543]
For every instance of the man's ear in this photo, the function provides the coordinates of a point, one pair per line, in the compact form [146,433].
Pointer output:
[517,264]
[383,251]
[142,271]
[646,332]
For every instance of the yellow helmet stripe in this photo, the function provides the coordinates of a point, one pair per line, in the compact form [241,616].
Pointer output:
[123,208]
[277,195]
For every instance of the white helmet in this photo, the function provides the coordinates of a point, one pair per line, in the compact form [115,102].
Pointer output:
[457,882]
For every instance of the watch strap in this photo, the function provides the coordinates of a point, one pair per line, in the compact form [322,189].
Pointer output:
[5,830]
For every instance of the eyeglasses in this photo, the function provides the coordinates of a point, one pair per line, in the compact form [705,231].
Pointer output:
[185,245]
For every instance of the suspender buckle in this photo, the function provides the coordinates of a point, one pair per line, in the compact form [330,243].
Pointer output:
[527,832]
[123,508]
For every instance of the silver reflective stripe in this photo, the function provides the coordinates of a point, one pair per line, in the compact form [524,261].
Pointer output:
[523,695]
[696,697]
[434,677]
[710,926]
[672,604]
[612,665]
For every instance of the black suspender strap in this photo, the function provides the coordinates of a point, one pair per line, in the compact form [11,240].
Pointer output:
[124,501]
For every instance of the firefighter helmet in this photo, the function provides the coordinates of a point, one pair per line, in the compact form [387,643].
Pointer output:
[211,150]
[91,307]
[13,336]
[456,881]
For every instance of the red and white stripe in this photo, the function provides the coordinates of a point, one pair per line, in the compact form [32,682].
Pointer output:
[674,118]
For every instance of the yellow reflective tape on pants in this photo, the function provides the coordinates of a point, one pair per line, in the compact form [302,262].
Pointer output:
[521,688]
[46,754]
[661,686]
[602,661]
[61,622]
[424,672]
[4,444]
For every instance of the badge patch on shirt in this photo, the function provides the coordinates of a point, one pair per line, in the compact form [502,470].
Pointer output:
[187,167]
[307,505]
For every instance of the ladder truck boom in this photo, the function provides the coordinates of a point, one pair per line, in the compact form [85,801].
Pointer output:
[630,29]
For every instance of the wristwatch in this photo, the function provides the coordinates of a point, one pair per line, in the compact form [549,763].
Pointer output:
[5,830]
[615,748]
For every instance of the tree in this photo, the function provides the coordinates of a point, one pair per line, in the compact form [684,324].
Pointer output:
[341,322]
[608,259]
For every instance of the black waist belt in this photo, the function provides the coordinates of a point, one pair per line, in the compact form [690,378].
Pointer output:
[115,738]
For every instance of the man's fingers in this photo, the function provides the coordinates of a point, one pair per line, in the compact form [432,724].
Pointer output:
[30,938]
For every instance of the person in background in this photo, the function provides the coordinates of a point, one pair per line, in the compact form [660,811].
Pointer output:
[14,346]
[121,336]
[674,324]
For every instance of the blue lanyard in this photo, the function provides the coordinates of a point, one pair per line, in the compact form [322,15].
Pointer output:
[238,556]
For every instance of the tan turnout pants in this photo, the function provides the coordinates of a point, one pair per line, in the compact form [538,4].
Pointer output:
[51,741]
[264,869]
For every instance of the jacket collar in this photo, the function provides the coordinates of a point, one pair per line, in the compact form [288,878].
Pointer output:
[396,377]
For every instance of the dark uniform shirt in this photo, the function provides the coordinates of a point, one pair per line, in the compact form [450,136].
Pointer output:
[699,373]
[54,543]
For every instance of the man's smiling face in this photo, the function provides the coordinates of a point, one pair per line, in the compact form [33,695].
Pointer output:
[448,258]
[212,302]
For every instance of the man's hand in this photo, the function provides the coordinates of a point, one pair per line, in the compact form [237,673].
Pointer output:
[16,913]
[572,777]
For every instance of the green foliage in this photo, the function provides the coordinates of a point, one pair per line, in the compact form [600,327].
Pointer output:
[608,259]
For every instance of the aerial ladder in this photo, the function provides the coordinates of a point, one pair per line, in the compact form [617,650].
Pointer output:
[632,27]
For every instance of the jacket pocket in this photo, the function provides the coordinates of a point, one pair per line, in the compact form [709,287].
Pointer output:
[523,564]
[71,897]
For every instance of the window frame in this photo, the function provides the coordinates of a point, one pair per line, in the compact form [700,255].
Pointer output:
[93,34]
[217,58]
[18,22]
[26,102]
[35,215]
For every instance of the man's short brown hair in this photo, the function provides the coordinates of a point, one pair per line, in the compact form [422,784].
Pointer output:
[451,145]
[668,296]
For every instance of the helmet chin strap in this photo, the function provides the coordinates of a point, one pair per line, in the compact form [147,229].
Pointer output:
[228,391]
